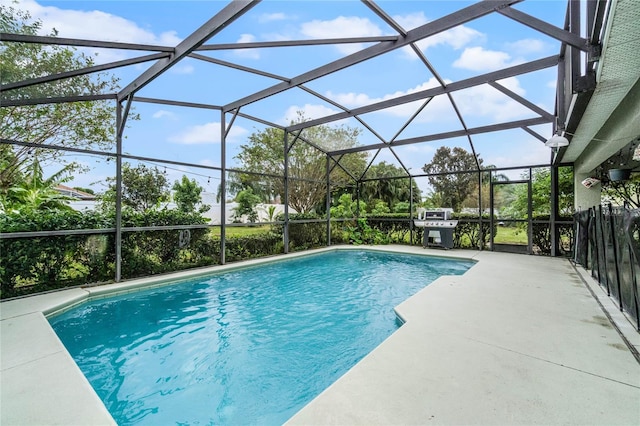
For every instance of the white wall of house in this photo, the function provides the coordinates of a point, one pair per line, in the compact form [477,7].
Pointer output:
[214,214]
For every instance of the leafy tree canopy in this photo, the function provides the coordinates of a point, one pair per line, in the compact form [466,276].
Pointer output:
[187,195]
[453,189]
[347,207]
[541,193]
[488,175]
[620,193]
[143,188]
[87,190]
[390,191]
[264,153]
[87,125]
[247,202]
[35,192]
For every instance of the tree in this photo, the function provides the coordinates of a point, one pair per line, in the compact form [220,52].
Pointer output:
[453,189]
[88,125]
[401,207]
[472,202]
[247,202]
[347,207]
[35,193]
[143,188]
[627,192]
[541,193]
[264,153]
[380,208]
[187,195]
[87,190]
[388,190]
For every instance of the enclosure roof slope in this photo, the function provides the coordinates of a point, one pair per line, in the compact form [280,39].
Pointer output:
[612,117]
[449,78]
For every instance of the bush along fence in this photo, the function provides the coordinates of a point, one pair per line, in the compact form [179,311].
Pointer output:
[81,249]
[395,228]
[541,234]
[608,244]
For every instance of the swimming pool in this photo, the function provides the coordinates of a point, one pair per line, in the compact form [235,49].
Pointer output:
[252,345]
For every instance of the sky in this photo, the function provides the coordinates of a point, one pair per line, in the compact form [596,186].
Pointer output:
[193,135]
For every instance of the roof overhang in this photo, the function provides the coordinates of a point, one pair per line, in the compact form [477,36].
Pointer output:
[606,119]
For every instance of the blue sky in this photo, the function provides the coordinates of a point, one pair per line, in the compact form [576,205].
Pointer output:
[191,135]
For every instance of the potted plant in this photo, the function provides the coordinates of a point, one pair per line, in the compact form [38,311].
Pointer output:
[617,175]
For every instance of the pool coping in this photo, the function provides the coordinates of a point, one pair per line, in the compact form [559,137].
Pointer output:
[64,396]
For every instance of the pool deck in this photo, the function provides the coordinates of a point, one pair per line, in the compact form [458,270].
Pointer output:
[516,340]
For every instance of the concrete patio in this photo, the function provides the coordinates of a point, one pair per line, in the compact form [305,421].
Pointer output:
[516,340]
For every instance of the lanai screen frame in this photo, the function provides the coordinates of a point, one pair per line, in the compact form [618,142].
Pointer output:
[575,63]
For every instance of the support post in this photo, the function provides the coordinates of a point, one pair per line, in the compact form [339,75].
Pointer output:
[593,216]
[491,212]
[561,92]
[223,189]
[574,27]
[553,232]
[118,237]
[530,215]
[410,211]
[615,255]
[328,201]
[603,244]
[358,199]
[286,192]
[481,230]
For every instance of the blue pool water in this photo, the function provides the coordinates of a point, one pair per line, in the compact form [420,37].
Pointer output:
[249,346]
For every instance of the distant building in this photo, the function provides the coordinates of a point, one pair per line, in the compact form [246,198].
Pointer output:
[75,193]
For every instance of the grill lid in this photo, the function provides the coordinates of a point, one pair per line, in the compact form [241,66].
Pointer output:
[435,214]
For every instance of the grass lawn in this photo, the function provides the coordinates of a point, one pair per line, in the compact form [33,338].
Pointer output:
[505,235]
[242,231]
[511,235]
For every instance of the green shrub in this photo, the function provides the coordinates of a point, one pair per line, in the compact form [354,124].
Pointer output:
[153,252]
[362,233]
[541,235]
[43,263]
[467,233]
[31,264]
[303,236]
[396,227]
[252,246]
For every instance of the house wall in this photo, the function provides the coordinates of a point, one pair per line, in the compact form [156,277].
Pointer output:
[585,197]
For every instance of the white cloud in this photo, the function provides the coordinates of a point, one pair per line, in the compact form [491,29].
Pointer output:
[247,53]
[479,101]
[533,153]
[485,101]
[309,111]
[340,27]
[479,59]
[354,100]
[455,38]
[95,25]
[270,17]
[209,162]
[513,84]
[359,99]
[206,134]
[411,20]
[182,69]
[164,114]
[527,45]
